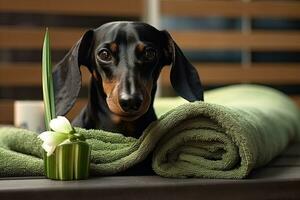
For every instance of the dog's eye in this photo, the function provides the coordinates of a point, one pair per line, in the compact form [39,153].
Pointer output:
[149,54]
[105,55]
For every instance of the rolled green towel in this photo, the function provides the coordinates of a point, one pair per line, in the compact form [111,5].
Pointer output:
[237,129]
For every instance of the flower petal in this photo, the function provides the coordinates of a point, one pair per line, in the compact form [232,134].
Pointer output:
[61,124]
[49,149]
[52,138]
[45,135]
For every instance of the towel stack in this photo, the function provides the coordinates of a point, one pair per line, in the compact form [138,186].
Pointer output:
[237,129]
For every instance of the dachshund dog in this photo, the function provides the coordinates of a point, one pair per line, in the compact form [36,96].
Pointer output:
[125,60]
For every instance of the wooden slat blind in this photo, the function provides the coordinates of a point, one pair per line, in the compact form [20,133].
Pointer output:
[230,75]
[256,40]
[244,39]
[231,8]
[75,7]
[28,75]
[15,37]
[63,38]
[19,37]
[211,73]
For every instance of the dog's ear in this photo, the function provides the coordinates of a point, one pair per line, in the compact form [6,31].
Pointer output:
[184,77]
[67,75]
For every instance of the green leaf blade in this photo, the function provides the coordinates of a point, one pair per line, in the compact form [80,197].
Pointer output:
[47,82]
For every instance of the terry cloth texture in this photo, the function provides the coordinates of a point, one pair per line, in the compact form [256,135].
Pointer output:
[237,128]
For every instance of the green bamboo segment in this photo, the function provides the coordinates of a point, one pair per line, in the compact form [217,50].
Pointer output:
[68,162]
[50,163]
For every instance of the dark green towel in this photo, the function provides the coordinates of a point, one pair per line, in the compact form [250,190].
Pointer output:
[237,129]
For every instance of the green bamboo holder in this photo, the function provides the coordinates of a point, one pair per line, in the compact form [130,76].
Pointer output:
[68,162]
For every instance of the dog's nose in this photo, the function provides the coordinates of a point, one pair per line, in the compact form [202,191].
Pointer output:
[130,102]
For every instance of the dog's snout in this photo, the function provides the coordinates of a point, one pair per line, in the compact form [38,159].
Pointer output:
[130,103]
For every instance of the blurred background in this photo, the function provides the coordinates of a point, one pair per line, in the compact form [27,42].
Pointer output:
[229,41]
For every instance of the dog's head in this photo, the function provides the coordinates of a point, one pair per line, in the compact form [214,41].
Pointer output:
[125,58]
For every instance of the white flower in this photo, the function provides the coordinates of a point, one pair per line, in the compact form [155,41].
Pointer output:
[61,124]
[51,139]
[48,149]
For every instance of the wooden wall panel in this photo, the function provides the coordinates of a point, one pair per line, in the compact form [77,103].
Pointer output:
[231,8]
[75,7]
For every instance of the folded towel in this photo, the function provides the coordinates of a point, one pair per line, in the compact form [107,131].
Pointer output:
[237,129]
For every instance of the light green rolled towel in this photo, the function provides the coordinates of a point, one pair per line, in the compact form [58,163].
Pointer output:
[237,129]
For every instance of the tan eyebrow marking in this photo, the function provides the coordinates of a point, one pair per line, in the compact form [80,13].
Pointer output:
[140,47]
[113,47]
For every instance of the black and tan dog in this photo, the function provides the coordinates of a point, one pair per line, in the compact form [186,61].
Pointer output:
[125,60]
